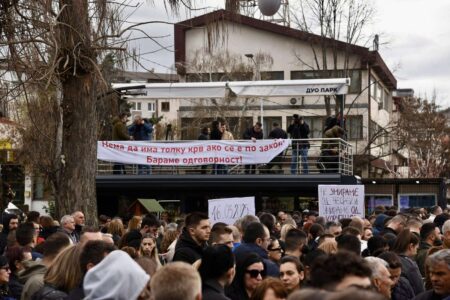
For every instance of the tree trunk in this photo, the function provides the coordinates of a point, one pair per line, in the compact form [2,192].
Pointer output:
[76,189]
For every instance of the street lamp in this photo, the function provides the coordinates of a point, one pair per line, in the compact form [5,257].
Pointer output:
[257,77]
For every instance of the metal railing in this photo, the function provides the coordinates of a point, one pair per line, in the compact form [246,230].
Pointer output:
[304,156]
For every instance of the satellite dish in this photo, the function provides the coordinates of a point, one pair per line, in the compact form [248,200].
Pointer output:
[269,7]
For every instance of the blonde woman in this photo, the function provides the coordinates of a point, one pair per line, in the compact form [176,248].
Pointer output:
[63,275]
[117,230]
[148,249]
[284,230]
[134,223]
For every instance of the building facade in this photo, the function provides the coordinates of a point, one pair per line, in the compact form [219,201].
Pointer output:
[207,45]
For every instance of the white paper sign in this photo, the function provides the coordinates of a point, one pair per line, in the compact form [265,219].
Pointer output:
[228,210]
[191,153]
[341,201]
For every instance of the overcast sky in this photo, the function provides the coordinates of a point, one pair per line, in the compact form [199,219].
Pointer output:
[414,38]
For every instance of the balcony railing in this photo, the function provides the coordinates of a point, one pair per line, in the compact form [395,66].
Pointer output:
[323,156]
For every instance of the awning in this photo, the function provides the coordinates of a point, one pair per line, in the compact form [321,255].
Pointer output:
[151,205]
[290,88]
[263,88]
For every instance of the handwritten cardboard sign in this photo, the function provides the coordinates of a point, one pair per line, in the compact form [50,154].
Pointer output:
[228,210]
[341,201]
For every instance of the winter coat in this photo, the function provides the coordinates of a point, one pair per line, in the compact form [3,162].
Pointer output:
[32,278]
[299,131]
[410,271]
[212,290]
[141,132]
[187,249]
[403,290]
[250,133]
[119,132]
[278,133]
[245,248]
[422,254]
[334,132]
[430,295]
[48,292]
[15,286]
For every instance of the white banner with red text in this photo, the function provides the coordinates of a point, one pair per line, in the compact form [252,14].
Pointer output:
[192,153]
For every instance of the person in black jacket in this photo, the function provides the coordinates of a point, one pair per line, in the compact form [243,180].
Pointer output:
[10,222]
[402,289]
[299,129]
[193,239]
[405,247]
[250,272]
[217,270]
[253,133]
[277,133]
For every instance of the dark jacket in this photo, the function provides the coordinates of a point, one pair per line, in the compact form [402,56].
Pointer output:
[410,271]
[48,231]
[187,249]
[5,231]
[430,295]
[403,290]
[203,137]
[32,278]
[299,131]
[15,286]
[244,249]
[250,133]
[278,133]
[141,132]
[212,290]
[72,236]
[215,134]
[119,132]
[421,256]
[48,292]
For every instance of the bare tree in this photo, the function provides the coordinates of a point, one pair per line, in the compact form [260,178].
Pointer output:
[423,135]
[55,47]
[336,21]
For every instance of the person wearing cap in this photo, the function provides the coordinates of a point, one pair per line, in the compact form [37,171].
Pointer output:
[4,277]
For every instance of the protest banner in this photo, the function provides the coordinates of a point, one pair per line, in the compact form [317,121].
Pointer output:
[192,153]
[341,201]
[228,210]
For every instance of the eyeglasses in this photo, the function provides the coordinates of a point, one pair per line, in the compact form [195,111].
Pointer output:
[276,249]
[255,273]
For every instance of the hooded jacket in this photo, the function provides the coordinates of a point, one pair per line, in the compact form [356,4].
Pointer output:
[119,132]
[116,277]
[32,278]
[187,249]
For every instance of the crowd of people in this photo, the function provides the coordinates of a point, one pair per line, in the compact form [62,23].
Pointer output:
[299,255]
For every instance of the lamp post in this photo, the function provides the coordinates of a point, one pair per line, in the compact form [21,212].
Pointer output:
[257,77]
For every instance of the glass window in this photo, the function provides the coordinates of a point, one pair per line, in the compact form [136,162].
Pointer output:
[373,201]
[272,75]
[406,201]
[151,106]
[133,105]
[165,106]
[354,126]
[139,106]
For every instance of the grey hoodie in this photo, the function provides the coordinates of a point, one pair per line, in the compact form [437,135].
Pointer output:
[116,277]
[32,278]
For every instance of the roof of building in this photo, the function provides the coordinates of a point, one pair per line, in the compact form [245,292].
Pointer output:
[147,77]
[371,58]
